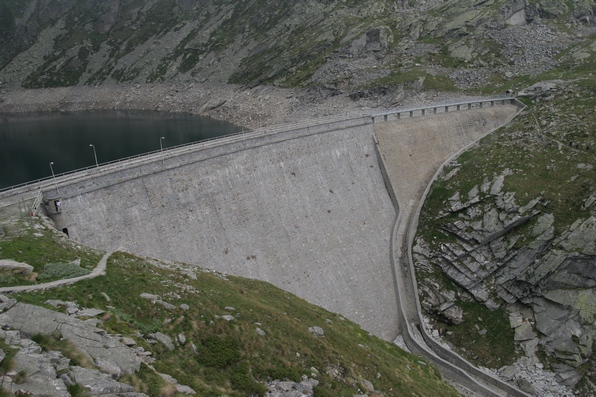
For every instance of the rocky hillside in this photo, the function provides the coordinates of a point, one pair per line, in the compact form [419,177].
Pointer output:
[512,224]
[360,47]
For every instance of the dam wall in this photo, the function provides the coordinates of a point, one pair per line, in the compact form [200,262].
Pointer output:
[306,210]
[308,207]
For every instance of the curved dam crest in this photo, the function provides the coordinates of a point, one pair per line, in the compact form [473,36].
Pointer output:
[309,209]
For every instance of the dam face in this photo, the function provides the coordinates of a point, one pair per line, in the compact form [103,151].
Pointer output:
[308,213]
[309,209]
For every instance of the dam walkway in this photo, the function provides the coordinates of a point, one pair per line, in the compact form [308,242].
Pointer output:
[323,209]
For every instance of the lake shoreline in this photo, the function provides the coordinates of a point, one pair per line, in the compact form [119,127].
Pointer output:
[247,107]
[243,106]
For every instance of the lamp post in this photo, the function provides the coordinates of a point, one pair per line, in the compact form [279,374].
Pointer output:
[161,147]
[54,176]
[95,154]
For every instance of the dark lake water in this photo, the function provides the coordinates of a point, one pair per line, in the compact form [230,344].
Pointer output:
[29,143]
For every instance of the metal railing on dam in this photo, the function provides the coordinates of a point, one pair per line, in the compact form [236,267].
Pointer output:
[443,107]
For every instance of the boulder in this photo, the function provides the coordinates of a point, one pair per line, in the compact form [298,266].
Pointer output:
[107,352]
[164,339]
[317,331]
[98,383]
[9,266]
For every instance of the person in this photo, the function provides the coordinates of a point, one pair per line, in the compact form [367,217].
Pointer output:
[57,205]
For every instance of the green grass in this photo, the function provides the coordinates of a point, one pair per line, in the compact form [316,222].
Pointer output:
[495,348]
[47,247]
[233,359]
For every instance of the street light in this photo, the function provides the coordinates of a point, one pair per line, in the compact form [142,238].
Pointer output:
[54,176]
[95,154]
[160,144]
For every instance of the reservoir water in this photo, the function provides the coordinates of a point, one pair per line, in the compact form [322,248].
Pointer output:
[28,144]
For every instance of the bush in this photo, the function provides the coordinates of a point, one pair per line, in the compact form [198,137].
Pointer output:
[62,270]
[219,352]
[241,380]
[283,373]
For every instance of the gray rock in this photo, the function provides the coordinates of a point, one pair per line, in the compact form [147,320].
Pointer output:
[524,332]
[497,185]
[167,305]
[67,380]
[185,389]
[317,331]
[181,339]
[89,312]
[454,314]
[508,372]
[260,332]
[184,306]
[10,266]
[368,385]
[228,317]
[98,383]
[179,388]
[526,386]
[151,297]
[109,354]
[40,376]
[128,341]
[529,347]
[164,339]
[6,302]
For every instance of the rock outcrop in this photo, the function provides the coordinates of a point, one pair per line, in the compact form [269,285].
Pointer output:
[30,320]
[547,283]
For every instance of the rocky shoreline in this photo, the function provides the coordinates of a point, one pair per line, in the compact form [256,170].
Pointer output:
[255,107]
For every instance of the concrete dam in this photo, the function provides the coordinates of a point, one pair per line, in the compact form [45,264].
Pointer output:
[308,207]
[324,209]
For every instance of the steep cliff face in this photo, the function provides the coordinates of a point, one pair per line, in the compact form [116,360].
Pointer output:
[512,224]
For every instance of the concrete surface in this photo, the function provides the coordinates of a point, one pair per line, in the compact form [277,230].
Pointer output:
[310,215]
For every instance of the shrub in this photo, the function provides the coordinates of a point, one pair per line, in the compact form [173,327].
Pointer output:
[219,352]
[62,270]
[241,380]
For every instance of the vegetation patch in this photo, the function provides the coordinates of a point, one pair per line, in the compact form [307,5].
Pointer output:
[53,271]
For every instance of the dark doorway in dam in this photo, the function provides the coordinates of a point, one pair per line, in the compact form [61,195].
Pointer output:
[65,231]
[70,141]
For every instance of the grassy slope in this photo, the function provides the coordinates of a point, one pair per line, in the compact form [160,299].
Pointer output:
[232,355]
